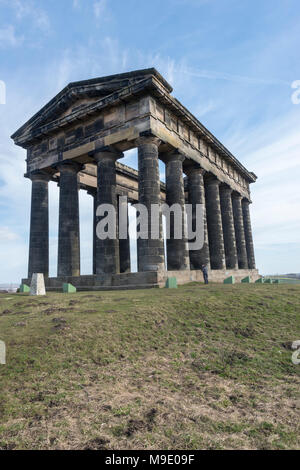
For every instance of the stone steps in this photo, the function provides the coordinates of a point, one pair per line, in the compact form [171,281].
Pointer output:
[108,288]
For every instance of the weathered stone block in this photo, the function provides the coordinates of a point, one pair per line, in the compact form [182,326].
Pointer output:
[37,286]
[68,288]
[171,283]
[229,280]
[24,288]
[246,280]
[2,352]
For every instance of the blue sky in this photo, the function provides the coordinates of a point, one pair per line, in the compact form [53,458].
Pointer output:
[230,62]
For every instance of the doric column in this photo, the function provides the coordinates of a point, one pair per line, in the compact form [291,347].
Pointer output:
[239,230]
[39,225]
[196,196]
[68,231]
[248,234]
[177,249]
[107,250]
[93,192]
[214,223]
[124,243]
[228,227]
[150,251]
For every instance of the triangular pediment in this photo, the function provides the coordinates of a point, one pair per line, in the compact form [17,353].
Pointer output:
[78,95]
[77,105]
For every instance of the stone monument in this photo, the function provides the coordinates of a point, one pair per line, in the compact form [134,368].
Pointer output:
[77,140]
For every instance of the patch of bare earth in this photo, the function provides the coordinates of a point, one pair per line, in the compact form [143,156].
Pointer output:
[166,411]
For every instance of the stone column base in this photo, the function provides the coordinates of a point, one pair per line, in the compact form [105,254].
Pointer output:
[143,280]
[214,275]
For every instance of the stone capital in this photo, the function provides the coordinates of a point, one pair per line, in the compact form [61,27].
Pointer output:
[147,138]
[237,195]
[68,165]
[212,180]
[174,155]
[39,176]
[246,201]
[92,192]
[191,168]
[108,152]
[225,188]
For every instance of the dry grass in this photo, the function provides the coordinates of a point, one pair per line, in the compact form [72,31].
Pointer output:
[193,368]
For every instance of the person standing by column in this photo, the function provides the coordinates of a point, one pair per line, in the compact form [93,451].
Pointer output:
[205,273]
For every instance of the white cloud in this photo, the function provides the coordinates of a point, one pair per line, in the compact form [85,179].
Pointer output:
[9,38]
[215,75]
[100,9]
[31,12]
[204,108]
[7,235]
[96,59]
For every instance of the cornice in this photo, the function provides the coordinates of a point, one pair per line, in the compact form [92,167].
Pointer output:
[155,85]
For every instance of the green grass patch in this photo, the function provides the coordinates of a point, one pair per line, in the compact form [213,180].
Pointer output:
[194,367]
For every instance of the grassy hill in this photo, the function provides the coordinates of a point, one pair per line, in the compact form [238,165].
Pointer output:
[193,368]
